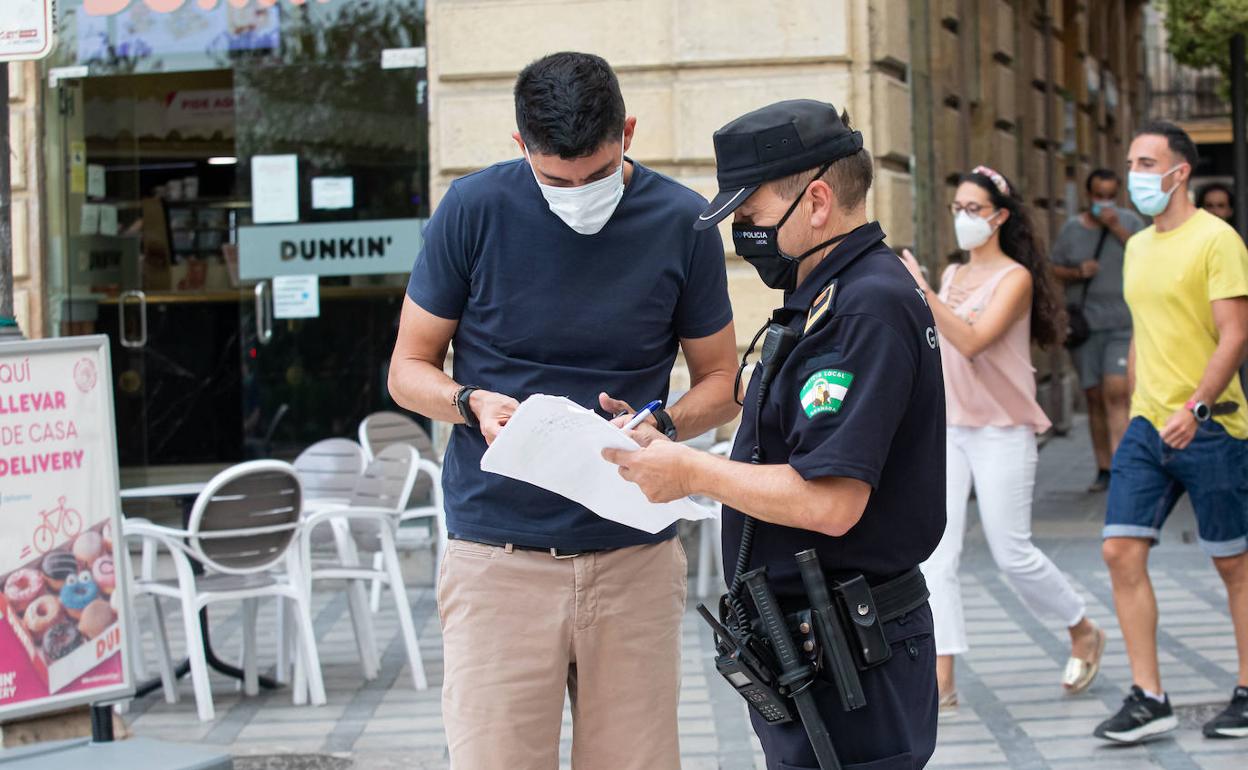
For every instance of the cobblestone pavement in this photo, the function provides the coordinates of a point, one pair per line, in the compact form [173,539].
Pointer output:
[1013,713]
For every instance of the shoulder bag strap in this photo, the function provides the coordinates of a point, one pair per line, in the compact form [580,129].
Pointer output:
[1096,257]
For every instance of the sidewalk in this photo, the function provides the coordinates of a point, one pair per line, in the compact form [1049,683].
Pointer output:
[1013,714]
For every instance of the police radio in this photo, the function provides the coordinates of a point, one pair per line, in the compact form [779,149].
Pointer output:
[746,673]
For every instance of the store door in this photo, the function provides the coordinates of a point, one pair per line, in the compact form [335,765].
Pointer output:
[211,365]
[333,154]
[145,214]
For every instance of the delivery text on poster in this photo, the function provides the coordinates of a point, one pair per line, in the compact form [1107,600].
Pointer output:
[61,635]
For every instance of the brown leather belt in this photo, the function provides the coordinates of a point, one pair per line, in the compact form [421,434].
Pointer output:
[558,553]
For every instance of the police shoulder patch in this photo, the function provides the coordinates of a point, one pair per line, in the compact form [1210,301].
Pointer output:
[819,308]
[825,391]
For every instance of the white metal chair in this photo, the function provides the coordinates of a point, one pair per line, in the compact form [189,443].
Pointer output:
[242,529]
[710,549]
[384,429]
[329,471]
[369,521]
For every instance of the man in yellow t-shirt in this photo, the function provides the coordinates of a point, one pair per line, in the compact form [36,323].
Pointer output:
[1185,279]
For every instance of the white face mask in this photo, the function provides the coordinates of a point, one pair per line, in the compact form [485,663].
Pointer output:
[971,231]
[585,209]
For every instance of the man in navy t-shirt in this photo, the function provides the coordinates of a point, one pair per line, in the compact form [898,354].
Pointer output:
[573,271]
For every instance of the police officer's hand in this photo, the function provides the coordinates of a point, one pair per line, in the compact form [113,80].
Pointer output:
[1179,430]
[659,469]
[646,434]
[916,270]
[493,410]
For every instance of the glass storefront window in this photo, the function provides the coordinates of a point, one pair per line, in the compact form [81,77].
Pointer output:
[167,219]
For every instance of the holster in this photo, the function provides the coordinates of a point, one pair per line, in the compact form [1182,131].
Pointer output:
[865,609]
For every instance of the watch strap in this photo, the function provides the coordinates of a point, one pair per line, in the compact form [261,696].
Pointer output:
[465,410]
[664,422]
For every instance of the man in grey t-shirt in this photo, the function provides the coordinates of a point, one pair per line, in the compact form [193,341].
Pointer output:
[1102,360]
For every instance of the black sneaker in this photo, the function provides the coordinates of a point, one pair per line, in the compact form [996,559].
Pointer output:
[1140,717]
[1102,481]
[1233,722]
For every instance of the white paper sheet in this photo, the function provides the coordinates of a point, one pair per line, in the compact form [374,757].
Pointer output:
[296,296]
[108,219]
[557,445]
[274,189]
[333,192]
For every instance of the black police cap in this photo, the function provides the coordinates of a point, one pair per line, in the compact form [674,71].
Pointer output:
[773,142]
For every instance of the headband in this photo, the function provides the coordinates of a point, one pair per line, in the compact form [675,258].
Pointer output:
[997,180]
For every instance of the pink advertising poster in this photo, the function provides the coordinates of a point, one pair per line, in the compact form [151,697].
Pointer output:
[62,599]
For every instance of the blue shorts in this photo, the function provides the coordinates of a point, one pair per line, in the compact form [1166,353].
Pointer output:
[1150,477]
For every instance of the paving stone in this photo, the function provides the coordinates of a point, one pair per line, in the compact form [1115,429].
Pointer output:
[1015,663]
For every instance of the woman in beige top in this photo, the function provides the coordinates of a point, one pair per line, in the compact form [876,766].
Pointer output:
[987,314]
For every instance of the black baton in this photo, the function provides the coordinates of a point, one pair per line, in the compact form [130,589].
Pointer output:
[796,674]
[836,652]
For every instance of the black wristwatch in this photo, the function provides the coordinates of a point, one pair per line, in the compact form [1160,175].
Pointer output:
[461,403]
[664,422]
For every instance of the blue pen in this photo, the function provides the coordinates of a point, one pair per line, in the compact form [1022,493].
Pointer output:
[642,415]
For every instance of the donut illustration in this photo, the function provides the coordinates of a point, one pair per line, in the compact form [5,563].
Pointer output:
[85,375]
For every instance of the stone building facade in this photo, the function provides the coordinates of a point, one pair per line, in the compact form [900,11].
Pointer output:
[686,67]
[1044,90]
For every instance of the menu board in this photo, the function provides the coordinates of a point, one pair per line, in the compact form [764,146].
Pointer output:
[26,30]
[63,603]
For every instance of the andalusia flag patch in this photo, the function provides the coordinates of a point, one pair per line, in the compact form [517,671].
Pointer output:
[824,391]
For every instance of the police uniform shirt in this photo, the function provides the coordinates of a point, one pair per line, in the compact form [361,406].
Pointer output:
[860,396]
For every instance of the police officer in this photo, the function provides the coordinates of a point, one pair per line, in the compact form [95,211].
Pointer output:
[845,450]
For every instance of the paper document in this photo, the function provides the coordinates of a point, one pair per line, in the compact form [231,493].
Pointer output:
[557,445]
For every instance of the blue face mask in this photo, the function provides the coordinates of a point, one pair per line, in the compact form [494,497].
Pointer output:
[1146,192]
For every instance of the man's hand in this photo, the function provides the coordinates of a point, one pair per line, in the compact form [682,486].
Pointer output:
[1089,268]
[493,410]
[1108,216]
[660,469]
[1179,430]
[614,406]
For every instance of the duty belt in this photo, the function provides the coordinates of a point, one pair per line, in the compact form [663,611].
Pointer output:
[903,594]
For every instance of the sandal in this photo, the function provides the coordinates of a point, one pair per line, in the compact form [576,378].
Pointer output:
[948,704]
[1080,674]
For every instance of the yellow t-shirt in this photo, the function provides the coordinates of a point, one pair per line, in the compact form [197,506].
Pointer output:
[1169,281]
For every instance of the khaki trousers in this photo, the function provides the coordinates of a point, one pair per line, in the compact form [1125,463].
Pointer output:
[521,628]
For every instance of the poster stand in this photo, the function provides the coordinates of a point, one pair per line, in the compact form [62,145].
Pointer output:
[65,613]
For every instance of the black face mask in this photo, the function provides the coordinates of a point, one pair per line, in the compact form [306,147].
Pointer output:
[760,246]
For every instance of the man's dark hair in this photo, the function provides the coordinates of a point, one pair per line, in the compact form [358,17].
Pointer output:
[1176,138]
[568,104]
[1204,191]
[849,177]
[1102,174]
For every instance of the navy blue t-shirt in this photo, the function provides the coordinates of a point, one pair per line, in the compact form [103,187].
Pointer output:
[542,309]
[862,397]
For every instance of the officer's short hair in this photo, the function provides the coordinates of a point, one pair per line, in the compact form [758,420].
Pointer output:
[568,104]
[849,177]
